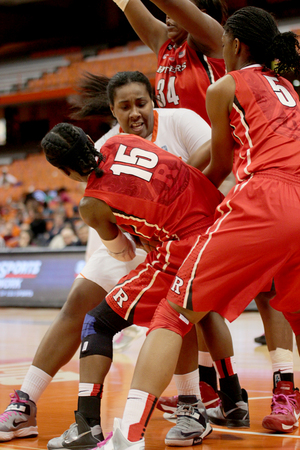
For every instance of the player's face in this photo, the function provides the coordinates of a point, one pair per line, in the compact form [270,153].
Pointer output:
[133,109]
[229,51]
[175,32]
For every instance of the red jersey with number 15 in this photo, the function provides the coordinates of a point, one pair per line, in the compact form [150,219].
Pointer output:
[151,192]
[183,76]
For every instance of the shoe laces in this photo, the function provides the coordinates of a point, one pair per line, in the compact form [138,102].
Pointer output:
[14,398]
[108,437]
[283,404]
[184,414]
[68,432]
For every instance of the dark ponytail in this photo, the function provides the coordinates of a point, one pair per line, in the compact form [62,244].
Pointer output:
[92,99]
[97,93]
[257,29]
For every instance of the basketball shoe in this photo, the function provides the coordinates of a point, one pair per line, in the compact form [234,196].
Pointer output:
[118,441]
[191,423]
[230,414]
[285,408]
[79,436]
[168,405]
[19,418]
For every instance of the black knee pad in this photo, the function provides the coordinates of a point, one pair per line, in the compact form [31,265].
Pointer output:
[100,326]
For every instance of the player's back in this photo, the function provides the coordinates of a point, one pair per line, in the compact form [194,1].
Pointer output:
[152,192]
[265,118]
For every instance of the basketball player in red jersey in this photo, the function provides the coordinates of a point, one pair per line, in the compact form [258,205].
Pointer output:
[188,48]
[189,51]
[134,185]
[254,114]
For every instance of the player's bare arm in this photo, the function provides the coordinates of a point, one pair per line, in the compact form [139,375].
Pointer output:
[205,33]
[151,31]
[201,157]
[218,108]
[98,215]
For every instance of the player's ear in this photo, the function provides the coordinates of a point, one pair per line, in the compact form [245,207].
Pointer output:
[112,110]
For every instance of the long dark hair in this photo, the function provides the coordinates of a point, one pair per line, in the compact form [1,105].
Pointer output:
[257,29]
[97,93]
[68,147]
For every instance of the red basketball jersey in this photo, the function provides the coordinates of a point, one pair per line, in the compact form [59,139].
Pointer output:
[152,193]
[183,76]
[265,119]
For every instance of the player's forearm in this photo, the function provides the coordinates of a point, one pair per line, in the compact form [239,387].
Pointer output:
[120,248]
[150,30]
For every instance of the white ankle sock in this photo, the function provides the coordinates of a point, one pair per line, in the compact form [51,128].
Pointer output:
[188,384]
[282,360]
[138,409]
[204,359]
[35,382]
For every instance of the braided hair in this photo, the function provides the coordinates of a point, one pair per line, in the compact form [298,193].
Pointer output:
[257,29]
[97,93]
[68,147]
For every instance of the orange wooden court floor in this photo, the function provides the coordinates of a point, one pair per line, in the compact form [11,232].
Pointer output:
[22,329]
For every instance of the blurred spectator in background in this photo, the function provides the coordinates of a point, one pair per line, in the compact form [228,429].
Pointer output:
[66,238]
[7,180]
[2,242]
[82,233]
[25,238]
[59,219]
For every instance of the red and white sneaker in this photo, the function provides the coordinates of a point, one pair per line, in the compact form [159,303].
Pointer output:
[169,404]
[209,396]
[285,408]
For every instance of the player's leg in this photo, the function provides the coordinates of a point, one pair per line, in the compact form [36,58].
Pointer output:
[233,409]
[207,371]
[188,430]
[62,339]
[96,352]
[159,366]
[56,348]
[279,338]
[286,398]
[100,326]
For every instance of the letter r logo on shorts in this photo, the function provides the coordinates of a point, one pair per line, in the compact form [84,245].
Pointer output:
[176,285]
[120,297]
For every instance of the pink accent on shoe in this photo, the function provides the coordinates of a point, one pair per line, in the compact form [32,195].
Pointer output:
[119,338]
[14,398]
[285,408]
[6,415]
[108,437]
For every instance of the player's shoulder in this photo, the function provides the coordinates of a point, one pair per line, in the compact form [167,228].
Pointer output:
[175,112]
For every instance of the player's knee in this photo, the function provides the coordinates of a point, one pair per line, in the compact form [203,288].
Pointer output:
[96,338]
[96,345]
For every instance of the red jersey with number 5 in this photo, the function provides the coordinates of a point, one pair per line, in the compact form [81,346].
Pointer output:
[153,193]
[265,118]
[183,76]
